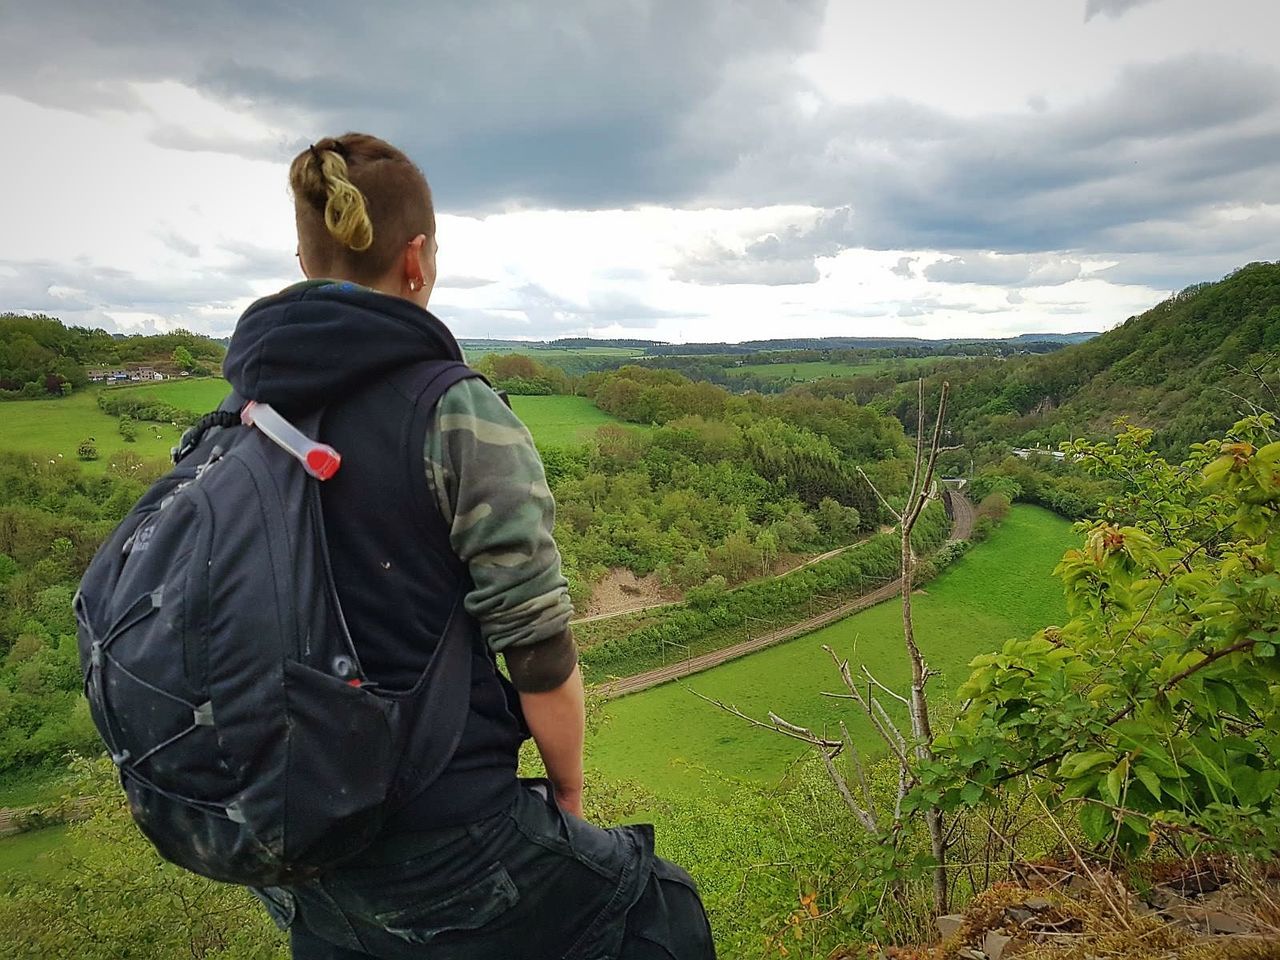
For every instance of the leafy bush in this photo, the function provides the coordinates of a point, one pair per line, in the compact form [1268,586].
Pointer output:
[949,553]
[119,403]
[1153,713]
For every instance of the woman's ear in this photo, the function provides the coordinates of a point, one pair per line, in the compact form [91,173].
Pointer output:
[419,269]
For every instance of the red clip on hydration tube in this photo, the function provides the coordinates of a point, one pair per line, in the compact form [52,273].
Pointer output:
[318,459]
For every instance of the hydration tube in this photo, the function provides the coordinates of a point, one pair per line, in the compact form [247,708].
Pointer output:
[318,459]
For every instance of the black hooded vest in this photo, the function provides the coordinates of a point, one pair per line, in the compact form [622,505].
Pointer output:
[358,354]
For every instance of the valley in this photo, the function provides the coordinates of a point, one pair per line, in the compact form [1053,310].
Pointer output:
[739,512]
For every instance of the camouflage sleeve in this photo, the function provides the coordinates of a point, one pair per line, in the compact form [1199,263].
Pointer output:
[487,477]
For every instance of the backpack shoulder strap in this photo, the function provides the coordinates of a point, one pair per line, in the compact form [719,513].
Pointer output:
[422,385]
[443,700]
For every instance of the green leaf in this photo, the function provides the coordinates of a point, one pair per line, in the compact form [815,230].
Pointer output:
[1150,779]
[1245,781]
[1096,822]
[1115,781]
[1075,764]
[971,794]
[1080,787]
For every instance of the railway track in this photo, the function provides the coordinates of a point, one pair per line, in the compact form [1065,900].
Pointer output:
[961,527]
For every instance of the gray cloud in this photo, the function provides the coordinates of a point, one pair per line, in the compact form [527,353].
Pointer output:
[764,262]
[570,103]
[1167,141]
[905,267]
[83,294]
[1016,270]
[774,259]
[447,282]
[180,244]
[1173,272]
[1111,8]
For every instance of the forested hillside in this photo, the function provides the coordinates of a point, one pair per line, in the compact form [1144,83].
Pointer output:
[1186,369]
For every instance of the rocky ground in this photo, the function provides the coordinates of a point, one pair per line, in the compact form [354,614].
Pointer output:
[1189,910]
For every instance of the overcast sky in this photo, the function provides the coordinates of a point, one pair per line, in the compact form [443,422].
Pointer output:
[684,170]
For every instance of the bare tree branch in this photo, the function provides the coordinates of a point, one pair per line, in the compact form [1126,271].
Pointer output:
[863,816]
[876,490]
[779,726]
[896,696]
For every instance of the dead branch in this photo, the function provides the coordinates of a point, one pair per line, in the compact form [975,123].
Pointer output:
[896,696]
[780,726]
[864,816]
[879,496]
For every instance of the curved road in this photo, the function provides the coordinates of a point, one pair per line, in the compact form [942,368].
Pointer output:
[961,527]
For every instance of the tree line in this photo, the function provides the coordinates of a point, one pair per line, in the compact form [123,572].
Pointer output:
[40,357]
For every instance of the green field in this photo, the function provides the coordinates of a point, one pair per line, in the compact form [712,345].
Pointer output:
[31,788]
[553,421]
[822,370]
[52,427]
[31,854]
[560,421]
[551,355]
[666,737]
[198,396]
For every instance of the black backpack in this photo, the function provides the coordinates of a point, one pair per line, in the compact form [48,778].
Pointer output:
[222,676]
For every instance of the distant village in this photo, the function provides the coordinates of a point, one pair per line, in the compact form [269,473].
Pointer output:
[131,374]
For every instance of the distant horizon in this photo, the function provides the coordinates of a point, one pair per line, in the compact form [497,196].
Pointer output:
[1031,334]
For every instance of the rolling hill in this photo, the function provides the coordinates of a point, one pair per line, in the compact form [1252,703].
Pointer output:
[1187,368]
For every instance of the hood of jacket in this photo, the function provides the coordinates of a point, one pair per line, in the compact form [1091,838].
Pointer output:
[318,341]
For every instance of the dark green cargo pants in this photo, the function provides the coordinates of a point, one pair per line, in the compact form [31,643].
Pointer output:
[531,883]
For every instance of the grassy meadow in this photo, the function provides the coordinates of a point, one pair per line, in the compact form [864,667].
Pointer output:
[199,396]
[31,854]
[553,421]
[561,421]
[551,355]
[675,743]
[50,428]
[823,370]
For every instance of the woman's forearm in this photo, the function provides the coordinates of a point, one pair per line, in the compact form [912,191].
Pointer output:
[557,720]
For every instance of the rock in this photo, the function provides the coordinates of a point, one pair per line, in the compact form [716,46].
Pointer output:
[949,925]
[1038,904]
[1189,915]
[1019,915]
[1197,883]
[1208,920]
[968,953]
[1220,922]
[995,944]
[1161,896]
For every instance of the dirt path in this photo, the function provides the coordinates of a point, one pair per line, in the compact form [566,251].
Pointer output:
[961,527]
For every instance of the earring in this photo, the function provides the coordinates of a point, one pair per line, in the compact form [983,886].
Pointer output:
[413,286]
